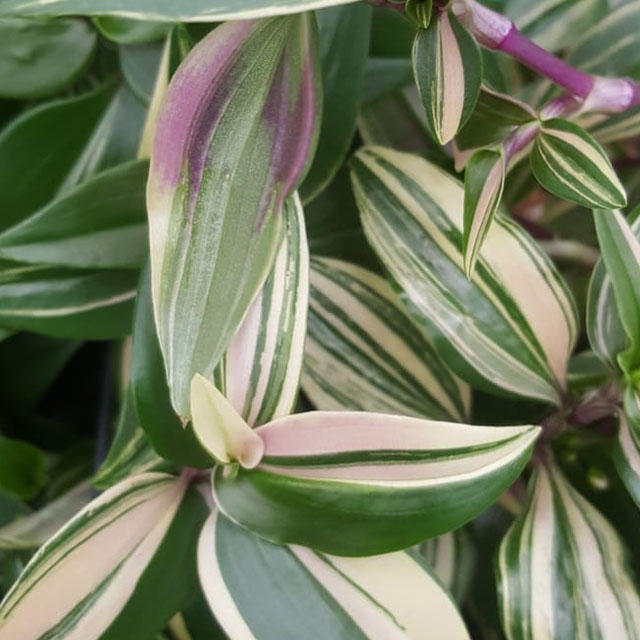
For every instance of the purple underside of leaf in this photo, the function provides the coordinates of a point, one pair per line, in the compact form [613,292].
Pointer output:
[291,125]
[192,106]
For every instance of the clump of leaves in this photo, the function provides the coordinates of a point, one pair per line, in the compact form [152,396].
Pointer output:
[319,319]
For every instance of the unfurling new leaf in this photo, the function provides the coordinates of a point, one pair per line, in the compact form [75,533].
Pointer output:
[234,138]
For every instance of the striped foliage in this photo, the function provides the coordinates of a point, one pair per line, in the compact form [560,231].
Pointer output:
[32,530]
[355,483]
[610,47]
[130,453]
[86,304]
[621,255]
[169,10]
[261,591]
[620,126]
[451,558]
[214,233]
[553,24]
[99,575]
[494,117]
[363,353]
[448,71]
[483,184]
[493,332]
[562,570]
[260,371]
[571,164]
[626,452]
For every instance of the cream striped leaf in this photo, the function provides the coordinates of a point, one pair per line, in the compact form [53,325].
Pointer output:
[610,47]
[448,71]
[483,184]
[620,126]
[363,353]
[169,10]
[621,255]
[493,332]
[562,569]
[99,575]
[451,558]
[356,483]
[571,164]
[34,529]
[260,371]
[604,327]
[626,453]
[214,235]
[261,591]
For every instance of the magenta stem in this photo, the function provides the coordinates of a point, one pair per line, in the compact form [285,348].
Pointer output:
[546,64]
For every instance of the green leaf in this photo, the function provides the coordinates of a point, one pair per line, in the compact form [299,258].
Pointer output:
[452,559]
[363,353]
[23,470]
[553,24]
[67,303]
[343,43]
[604,327]
[420,12]
[571,164]
[140,64]
[626,452]
[448,71]
[130,452]
[34,529]
[483,184]
[98,224]
[320,596]
[41,57]
[125,31]
[494,117]
[120,568]
[169,437]
[562,550]
[29,365]
[621,126]
[260,371]
[397,120]
[609,48]
[190,10]
[213,234]
[356,483]
[621,255]
[491,331]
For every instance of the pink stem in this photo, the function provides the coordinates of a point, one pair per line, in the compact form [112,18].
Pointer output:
[546,64]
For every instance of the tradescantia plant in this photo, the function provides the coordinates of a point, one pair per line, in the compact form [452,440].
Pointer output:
[319,319]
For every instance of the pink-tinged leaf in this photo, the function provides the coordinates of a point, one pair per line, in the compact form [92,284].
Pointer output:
[483,184]
[234,138]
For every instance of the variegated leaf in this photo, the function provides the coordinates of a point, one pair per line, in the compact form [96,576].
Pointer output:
[214,235]
[118,566]
[494,117]
[34,529]
[620,126]
[562,569]
[483,184]
[553,24]
[452,558]
[167,10]
[571,164]
[260,371]
[363,353]
[356,483]
[448,71]
[130,453]
[621,255]
[260,590]
[626,453]
[609,48]
[493,332]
